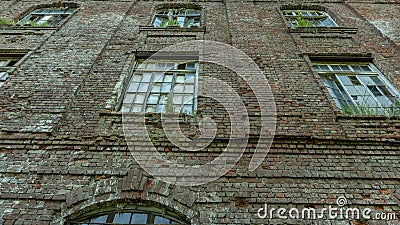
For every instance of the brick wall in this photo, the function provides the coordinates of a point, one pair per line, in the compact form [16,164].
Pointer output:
[62,145]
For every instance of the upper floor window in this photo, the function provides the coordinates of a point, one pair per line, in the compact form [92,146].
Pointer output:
[8,61]
[359,88]
[162,86]
[47,16]
[177,17]
[308,18]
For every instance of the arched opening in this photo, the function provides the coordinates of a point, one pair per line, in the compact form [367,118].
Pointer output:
[127,213]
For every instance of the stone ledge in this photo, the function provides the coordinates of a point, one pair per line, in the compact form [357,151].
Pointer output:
[23,28]
[175,29]
[367,117]
[319,30]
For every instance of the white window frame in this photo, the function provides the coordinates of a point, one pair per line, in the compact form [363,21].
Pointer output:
[51,16]
[3,78]
[368,79]
[128,103]
[7,62]
[162,17]
[311,16]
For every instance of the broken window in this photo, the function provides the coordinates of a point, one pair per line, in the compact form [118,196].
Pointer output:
[47,16]
[162,86]
[359,88]
[177,17]
[7,62]
[308,18]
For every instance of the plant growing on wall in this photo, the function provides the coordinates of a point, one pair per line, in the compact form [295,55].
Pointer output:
[169,107]
[4,21]
[394,110]
[301,22]
[367,110]
[169,23]
[227,35]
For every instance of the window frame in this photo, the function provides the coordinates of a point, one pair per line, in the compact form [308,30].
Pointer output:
[13,59]
[170,9]
[138,62]
[110,216]
[348,98]
[152,211]
[297,12]
[39,14]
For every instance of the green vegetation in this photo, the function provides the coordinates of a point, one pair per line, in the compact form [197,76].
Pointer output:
[301,22]
[366,110]
[4,21]
[169,107]
[227,35]
[169,23]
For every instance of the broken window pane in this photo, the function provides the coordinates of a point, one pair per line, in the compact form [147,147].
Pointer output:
[308,18]
[374,89]
[357,92]
[354,80]
[152,89]
[7,61]
[47,16]
[177,17]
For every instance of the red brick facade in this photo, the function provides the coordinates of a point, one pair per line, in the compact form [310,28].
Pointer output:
[62,145]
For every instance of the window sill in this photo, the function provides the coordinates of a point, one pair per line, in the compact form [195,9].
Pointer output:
[326,35]
[110,113]
[148,114]
[365,117]
[18,27]
[8,69]
[176,29]
[319,30]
